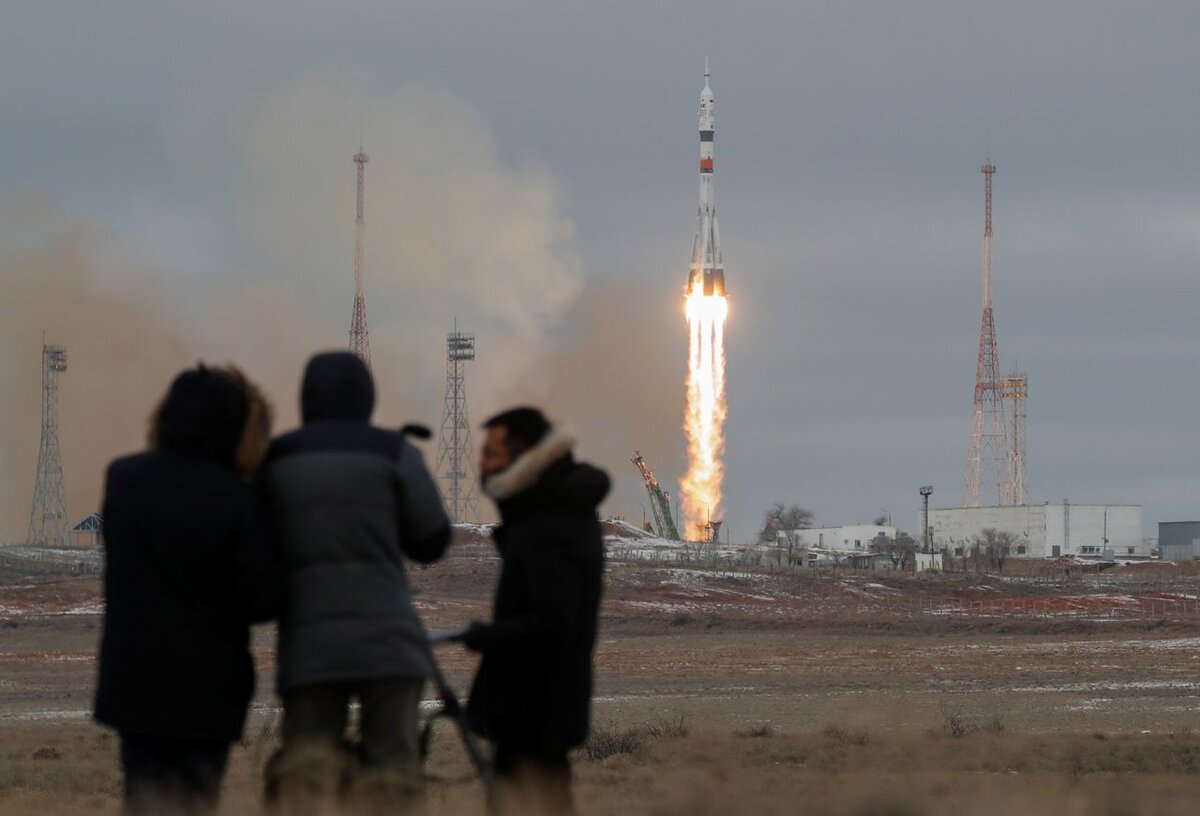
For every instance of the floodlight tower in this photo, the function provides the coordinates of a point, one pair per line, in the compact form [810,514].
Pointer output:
[987,453]
[926,491]
[454,446]
[48,521]
[360,341]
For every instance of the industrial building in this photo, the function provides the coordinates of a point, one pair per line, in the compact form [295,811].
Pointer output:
[1179,540]
[1045,530]
[852,538]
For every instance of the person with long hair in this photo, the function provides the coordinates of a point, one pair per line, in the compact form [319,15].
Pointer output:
[189,565]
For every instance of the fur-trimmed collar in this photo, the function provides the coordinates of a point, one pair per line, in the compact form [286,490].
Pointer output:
[523,473]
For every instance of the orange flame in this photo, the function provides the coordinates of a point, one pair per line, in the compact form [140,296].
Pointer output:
[704,420]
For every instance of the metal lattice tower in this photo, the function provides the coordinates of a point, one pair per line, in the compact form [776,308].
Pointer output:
[48,522]
[1014,389]
[660,500]
[987,454]
[454,447]
[360,341]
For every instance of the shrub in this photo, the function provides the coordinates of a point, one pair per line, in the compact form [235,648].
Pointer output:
[755,732]
[607,740]
[839,734]
[668,727]
[952,721]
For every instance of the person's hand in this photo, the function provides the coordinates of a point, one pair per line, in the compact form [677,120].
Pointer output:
[475,636]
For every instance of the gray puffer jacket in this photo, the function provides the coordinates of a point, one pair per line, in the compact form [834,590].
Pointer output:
[350,501]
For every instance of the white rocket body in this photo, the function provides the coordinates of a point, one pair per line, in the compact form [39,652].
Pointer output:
[707,273]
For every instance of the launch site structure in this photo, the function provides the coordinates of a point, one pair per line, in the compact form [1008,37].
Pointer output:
[996,449]
[48,521]
[454,464]
[660,501]
[1014,390]
[360,340]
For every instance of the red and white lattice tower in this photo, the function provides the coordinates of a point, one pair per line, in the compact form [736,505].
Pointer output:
[360,341]
[988,453]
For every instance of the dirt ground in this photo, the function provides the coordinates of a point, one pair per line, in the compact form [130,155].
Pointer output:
[741,691]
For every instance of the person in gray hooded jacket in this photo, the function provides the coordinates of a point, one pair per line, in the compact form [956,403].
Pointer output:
[350,501]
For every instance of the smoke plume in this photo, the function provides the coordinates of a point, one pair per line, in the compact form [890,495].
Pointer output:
[452,231]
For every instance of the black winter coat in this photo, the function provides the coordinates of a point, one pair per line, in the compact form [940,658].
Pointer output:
[350,501]
[534,686]
[189,563]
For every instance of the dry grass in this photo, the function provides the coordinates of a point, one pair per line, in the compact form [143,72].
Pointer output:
[837,770]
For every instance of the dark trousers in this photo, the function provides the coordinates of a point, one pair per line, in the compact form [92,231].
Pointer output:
[315,766]
[531,780]
[172,775]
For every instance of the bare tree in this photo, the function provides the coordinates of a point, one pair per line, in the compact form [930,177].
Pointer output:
[900,549]
[994,547]
[781,517]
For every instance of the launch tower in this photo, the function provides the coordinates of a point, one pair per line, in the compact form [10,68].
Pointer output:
[48,525]
[360,341]
[454,446]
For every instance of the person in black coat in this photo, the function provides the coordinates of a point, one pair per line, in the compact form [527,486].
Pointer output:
[189,564]
[532,694]
[351,502]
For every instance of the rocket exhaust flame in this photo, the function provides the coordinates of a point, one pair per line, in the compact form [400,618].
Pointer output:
[706,309]
[704,421]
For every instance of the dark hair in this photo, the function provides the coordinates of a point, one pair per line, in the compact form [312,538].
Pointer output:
[523,427]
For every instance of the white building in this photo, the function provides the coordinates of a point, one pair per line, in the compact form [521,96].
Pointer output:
[1044,530]
[852,538]
[1179,540]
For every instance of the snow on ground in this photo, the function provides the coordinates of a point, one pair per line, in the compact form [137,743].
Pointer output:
[480,530]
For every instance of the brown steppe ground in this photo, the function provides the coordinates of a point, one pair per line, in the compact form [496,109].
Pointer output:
[738,691]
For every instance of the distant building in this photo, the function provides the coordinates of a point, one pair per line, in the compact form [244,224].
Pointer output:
[87,532]
[1045,530]
[852,538]
[1179,540]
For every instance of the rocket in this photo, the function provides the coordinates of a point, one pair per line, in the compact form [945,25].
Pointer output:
[707,272]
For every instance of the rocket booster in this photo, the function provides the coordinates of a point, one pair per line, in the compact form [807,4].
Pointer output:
[707,272]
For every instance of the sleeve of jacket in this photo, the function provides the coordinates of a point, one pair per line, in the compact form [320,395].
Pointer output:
[553,581]
[258,575]
[424,527]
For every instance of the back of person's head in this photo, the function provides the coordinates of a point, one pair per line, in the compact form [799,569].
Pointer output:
[214,413]
[337,385]
[523,427]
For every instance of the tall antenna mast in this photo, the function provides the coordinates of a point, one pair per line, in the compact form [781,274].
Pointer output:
[987,452]
[989,170]
[454,446]
[48,521]
[360,341]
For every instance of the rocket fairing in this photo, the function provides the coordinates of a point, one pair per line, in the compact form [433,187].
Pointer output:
[707,273]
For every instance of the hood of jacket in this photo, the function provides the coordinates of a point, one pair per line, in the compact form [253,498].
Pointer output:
[203,415]
[547,475]
[337,385]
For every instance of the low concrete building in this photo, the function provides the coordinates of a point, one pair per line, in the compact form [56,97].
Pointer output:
[851,538]
[1045,530]
[924,562]
[1179,540]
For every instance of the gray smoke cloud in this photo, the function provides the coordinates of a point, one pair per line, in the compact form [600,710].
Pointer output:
[617,377]
[65,276]
[454,230]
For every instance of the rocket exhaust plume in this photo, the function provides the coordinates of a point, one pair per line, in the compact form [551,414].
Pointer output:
[706,308]
[704,422]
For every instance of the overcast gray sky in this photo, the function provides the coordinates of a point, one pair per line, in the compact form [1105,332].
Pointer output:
[210,145]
